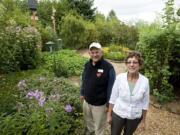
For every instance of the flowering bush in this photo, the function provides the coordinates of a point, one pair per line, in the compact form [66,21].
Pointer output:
[46,106]
[20,48]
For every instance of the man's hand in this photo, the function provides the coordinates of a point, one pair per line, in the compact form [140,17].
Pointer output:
[82,98]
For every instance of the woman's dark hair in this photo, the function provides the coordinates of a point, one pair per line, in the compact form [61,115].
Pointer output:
[137,55]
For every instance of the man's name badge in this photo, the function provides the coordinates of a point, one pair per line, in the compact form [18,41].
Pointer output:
[100,70]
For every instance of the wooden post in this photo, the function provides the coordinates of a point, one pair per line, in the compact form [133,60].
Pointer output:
[53,19]
[32,4]
[34,18]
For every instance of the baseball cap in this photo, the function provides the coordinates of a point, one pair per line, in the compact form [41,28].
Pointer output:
[95,45]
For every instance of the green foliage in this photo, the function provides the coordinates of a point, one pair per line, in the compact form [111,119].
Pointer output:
[2,11]
[171,23]
[83,7]
[44,11]
[174,61]
[13,14]
[20,45]
[47,35]
[115,52]
[112,30]
[168,16]
[20,48]
[73,31]
[77,32]
[160,47]
[155,44]
[112,16]
[65,62]
[104,31]
[60,68]
[178,12]
[167,96]
[92,33]
[51,117]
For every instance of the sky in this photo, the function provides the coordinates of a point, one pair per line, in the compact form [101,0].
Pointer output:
[133,10]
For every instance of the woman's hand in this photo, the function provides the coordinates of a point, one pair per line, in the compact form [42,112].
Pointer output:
[109,114]
[109,118]
[142,126]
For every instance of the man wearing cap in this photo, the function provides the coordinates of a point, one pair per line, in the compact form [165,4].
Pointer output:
[97,81]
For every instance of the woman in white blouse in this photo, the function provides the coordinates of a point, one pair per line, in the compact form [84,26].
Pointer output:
[129,99]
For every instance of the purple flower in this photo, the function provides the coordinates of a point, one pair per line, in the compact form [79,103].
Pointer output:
[68,108]
[38,95]
[30,94]
[42,101]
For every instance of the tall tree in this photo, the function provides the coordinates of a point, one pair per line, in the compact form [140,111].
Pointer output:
[112,16]
[84,8]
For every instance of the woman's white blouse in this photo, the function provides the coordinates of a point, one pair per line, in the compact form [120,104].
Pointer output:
[128,105]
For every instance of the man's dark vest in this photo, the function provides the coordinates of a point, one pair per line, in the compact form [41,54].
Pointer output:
[95,82]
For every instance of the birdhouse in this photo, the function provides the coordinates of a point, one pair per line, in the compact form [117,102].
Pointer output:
[32,4]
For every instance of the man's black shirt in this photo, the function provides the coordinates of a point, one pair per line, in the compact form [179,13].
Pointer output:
[97,82]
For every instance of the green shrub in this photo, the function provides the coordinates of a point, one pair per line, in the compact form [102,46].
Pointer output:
[73,31]
[91,33]
[46,35]
[60,68]
[155,44]
[174,61]
[12,13]
[20,49]
[105,32]
[65,62]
